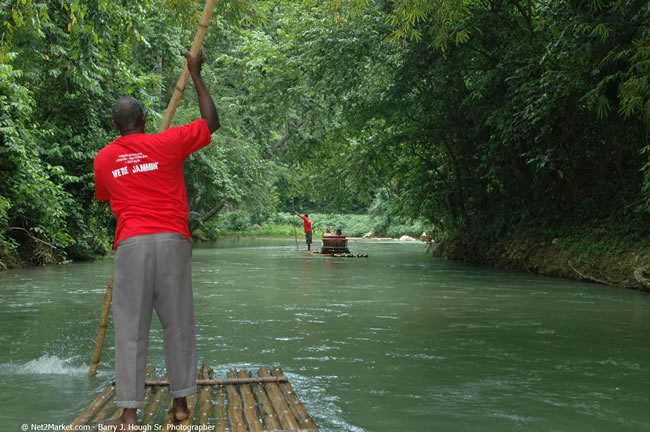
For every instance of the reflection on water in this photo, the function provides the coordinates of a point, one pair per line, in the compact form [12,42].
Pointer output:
[396,341]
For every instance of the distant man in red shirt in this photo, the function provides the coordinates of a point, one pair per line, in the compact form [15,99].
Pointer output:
[141,175]
[307,223]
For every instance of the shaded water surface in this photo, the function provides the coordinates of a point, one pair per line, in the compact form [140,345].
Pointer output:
[399,341]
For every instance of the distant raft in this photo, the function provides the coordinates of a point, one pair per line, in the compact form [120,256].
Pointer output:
[336,246]
[239,403]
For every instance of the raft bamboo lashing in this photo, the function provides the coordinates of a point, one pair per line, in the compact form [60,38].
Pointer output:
[240,402]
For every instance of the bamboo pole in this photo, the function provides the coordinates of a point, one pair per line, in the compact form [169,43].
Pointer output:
[270,419]
[250,410]
[220,411]
[167,119]
[224,381]
[298,410]
[152,409]
[287,419]
[295,234]
[206,396]
[103,325]
[234,408]
[194,51]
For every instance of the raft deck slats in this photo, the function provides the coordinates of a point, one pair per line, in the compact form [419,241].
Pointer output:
[221,418]
[156,402]
[205,405]
[287,419]
[111,411]
[235,408]
[93,408]
[298,410]
[250,408]
[271,421]
[240,402]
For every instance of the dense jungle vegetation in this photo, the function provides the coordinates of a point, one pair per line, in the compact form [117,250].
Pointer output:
[491,119]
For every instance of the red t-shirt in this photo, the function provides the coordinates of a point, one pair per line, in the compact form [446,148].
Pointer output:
[142,176]
[307,223]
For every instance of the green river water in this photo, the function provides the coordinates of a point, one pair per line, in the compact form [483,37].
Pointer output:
[399,341]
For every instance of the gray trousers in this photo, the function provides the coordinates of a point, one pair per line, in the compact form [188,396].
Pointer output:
[153,271]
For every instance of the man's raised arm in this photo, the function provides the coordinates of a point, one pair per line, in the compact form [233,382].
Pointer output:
[206,104]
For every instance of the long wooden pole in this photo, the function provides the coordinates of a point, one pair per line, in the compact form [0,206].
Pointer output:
[103,324]
[194,51]
[167,120]
[295,234]
[224,381]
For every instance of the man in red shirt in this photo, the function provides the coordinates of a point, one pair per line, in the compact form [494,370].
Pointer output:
[141,175]
[307,224]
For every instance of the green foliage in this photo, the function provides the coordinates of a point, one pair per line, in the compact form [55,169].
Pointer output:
[533,115]
[77,58]
[282,225]
[32,206]
[473,116]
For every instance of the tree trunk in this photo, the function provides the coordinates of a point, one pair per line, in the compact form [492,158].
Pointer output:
[207,216]
[288,136]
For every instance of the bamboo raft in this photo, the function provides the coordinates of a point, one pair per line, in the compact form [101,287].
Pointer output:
[239,403]
[335,246]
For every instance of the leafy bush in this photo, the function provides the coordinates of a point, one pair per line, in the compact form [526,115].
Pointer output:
[237,220]
[32,206]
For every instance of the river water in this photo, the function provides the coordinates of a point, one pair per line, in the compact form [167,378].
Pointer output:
[399,341]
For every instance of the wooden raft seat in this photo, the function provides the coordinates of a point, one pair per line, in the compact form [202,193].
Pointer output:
[334,244]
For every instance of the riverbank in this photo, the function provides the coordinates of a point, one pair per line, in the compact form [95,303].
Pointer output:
[589,255]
